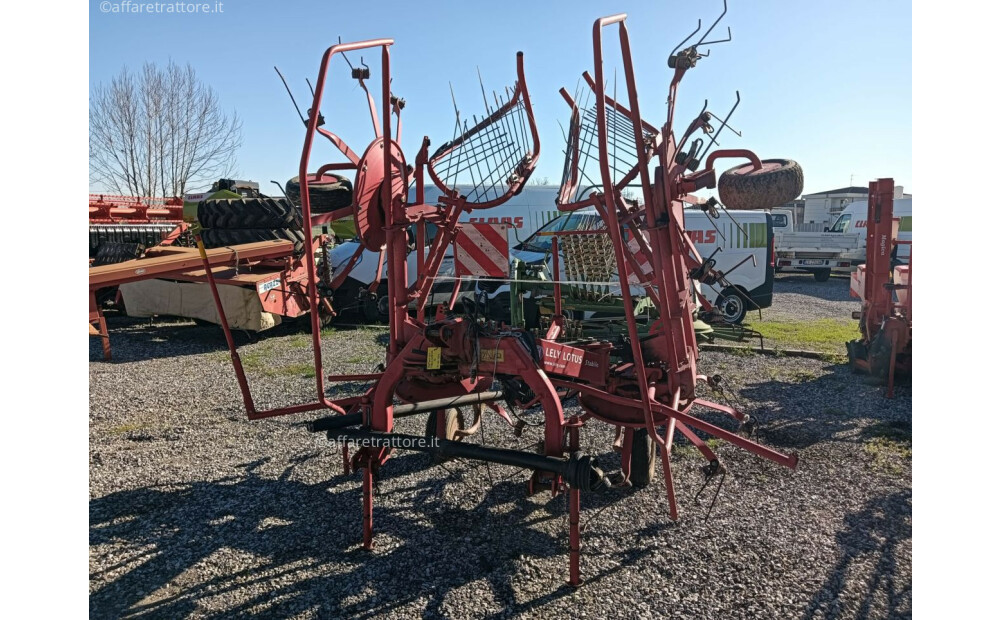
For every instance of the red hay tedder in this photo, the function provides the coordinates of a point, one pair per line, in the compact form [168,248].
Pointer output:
[645,386]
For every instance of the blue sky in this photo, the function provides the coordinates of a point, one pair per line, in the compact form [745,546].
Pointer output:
[827,83]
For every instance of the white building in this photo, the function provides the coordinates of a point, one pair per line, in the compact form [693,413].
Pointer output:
[823,208]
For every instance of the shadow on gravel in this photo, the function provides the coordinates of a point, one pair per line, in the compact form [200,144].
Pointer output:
[837,288]
[134,339]
[254,546]
[806,409]
[868,542]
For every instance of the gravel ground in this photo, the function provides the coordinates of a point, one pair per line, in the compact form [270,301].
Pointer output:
[194,511]
[797,296]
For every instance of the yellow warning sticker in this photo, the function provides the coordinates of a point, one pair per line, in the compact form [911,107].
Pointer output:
[433,358]
[491,355]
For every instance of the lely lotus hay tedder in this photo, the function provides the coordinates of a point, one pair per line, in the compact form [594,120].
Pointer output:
[643,386]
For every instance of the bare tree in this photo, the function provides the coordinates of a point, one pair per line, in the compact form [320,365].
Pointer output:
[160,132]
[539,181]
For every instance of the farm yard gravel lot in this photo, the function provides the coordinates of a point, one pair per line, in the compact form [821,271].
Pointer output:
[196,512]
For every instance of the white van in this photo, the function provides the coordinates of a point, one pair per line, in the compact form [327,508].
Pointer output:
[742,247]
[854,219]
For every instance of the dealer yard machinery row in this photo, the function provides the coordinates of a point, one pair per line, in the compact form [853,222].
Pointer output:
[643,386]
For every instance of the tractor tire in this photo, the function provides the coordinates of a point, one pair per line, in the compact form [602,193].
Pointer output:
[453,421]
[732,303]
[330,193]
[224,237]
[742,188]
[249,213]
[821,275]
[111,252]
[643,459]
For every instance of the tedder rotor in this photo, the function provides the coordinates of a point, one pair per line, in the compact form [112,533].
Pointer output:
[644,386]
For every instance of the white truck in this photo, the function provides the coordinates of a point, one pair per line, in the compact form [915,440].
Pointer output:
[853,221]
[820,253]
[740,243]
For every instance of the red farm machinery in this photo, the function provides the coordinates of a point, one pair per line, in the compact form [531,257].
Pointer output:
[643,385]
[884,286]
[143,259]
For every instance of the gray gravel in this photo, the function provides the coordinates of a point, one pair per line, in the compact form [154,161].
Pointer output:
[194,511]
[797,296]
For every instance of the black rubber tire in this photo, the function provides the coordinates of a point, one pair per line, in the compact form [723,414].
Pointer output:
[856,350]
[741,188]
[643,460]
[821,275]
[732,303]
[324,197]
[111,252]
[249,213]
[224,237]
[453,421]
[880,356]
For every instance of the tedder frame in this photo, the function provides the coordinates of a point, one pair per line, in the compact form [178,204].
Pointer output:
[644,386]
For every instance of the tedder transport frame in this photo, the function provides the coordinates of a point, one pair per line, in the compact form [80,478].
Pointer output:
[435,365]
[886,320]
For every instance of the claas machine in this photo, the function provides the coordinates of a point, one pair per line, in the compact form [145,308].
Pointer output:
[645,387]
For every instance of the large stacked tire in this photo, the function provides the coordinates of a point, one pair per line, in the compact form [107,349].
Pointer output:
[778,182]
[329,193]
[111,252]
[233,221]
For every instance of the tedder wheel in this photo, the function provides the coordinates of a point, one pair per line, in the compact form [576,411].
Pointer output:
[643,458]
[821,275]
[453,421]
[742,188]
[249,213]
[329,193]
[732,304]
[223,237]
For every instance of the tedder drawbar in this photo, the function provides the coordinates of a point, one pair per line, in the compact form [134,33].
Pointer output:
[643,386]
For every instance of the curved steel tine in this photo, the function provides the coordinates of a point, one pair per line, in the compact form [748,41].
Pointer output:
[725,121]
[725,8]
[674,51]
[729,37]
[294,103]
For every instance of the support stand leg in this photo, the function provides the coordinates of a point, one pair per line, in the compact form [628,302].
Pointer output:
[574,537]
[105,336]
[366,484]
[892,366]
[668,478]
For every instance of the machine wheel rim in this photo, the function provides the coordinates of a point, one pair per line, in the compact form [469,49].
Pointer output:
[731,308]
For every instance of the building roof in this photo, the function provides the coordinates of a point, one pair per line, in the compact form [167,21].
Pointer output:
[842,190]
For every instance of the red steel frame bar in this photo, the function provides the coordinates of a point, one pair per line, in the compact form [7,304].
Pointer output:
[312,127]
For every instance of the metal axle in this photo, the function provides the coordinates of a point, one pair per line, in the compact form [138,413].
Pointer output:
[579,470]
